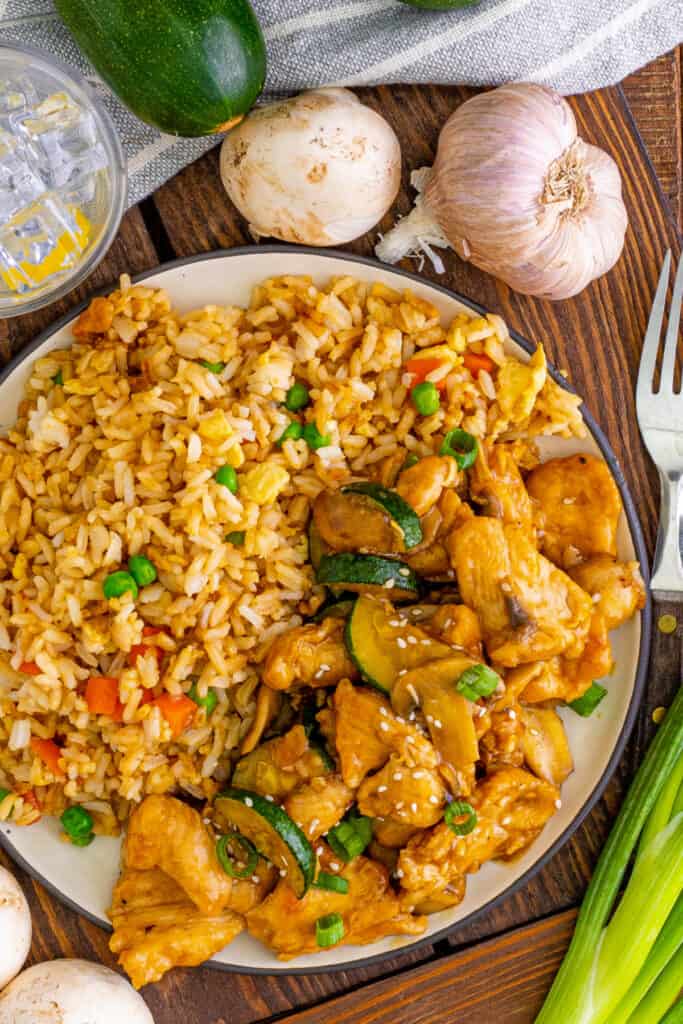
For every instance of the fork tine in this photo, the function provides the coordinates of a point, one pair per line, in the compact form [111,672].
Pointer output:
[671,339]
[648,356]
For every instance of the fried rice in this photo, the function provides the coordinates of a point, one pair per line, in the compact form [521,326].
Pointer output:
[114,453]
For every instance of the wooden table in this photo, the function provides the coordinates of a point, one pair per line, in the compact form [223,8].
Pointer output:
[498,968]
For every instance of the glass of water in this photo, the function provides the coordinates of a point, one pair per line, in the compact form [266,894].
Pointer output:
[62,180]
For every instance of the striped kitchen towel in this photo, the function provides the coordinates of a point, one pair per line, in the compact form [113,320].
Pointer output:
[574,45]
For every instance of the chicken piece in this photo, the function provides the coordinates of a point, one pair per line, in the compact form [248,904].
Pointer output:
[617,588]
[156,927]
[96,318]
[458,625]
[422,485]
[563,678]
[512,807]
[410,796]
[502,743]
[528,608]
[391,833]
[370,910]
[353,522]
[311,655]
[319,805]
[165,833]
[496,484]
[451,896]
[518,387]
[430,559]
[453,510]
[367,732]
[578,508]
[279,766]
[545,746]
[267,706]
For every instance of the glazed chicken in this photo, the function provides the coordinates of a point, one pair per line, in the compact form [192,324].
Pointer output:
[395,749]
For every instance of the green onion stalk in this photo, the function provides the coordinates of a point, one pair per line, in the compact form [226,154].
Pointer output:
[602,963]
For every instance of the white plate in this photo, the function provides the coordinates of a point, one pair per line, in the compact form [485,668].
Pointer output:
[84,878]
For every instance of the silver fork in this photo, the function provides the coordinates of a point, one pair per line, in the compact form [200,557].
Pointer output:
[660,418]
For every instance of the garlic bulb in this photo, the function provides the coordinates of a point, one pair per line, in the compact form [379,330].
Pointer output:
[319,169]
[515,191]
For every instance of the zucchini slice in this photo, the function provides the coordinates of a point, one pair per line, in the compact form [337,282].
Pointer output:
[391,501]
[383,645]
[336,609]
[368,574]
[272,832]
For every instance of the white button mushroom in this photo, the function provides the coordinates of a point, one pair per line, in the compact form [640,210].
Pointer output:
[318,169]
[15,927]
[72,992]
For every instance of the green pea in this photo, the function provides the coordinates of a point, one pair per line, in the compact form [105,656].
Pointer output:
[208,703]
[142,570]
[313,438]
[58,378]
[297,397]
[227,477]
[213,367]
[425,398]
[236,537]
[118,583]
[76,822]
[292,432]
[85,840]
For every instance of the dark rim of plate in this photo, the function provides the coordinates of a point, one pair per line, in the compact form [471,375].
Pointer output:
[645,622]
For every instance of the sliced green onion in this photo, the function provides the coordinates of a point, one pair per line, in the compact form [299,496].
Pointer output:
[586,704]
[142,570]
[461,446]
[329,930]
[4,793]
[76,821]
[118,583]
[313,438]
[332,883]
[292,432]
[58,379]
[212,367]
[425,398]
[236,537]
[350,837]
[208,703]
[478,681]
[85,840]
[227,477]
[460,809]
[226,860]
[410,460]
[297,397]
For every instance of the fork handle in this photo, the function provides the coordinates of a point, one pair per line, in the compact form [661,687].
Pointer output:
[667,569]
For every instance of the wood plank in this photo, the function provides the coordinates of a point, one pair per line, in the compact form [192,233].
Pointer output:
[505,979]
[655,96]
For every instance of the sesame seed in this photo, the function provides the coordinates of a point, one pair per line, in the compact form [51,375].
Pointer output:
[401,721]
[413,807]
[558,804]
[397,776]
[512,713]
[433,799]
[412,639]
[568,501]
[401,642]
[404,571]
[448,623]
[313,825]
[430,718]
[384,726]
[270,798]
[248,802]
[335,865]
[413,693]
[207,821]
[418,773]
[399,872]
[438,724]
[255,879]
[534,732]
[390,583]
[324,668]
[403,671]
[507,820]
[394,622]
[383,711]
[382,789]
[426,643]
[411,739]
[283,873]
[597,598]
[399,805]
[320,850]
[411,718]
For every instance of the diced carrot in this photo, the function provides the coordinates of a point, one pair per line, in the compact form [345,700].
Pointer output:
[140,650]
[177,711]
[420,368]
[153,630]
[147,698]
[48,752]
[29,668]
[102,697]
[30,798]
[476,361]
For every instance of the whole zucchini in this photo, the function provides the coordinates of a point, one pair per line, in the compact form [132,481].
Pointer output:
[189,67]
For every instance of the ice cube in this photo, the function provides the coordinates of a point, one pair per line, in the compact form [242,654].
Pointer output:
[20,184]
[64,137]
[44,240]
[17,99]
